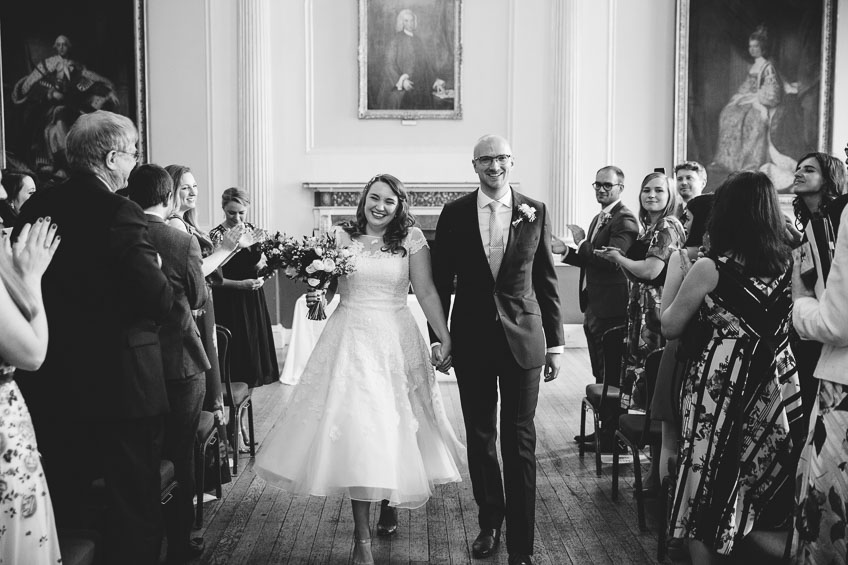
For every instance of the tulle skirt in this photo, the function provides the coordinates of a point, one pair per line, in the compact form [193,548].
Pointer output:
[367,417]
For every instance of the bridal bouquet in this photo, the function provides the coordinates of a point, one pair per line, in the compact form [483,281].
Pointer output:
[315,260]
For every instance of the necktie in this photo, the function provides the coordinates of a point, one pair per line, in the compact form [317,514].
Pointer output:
[496,239]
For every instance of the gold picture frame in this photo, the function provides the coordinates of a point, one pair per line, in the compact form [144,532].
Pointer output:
[61,59]
[754,85]
[410,59]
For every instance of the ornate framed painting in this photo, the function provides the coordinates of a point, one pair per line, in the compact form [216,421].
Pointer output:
[410,58]
[62,59]
[754,87]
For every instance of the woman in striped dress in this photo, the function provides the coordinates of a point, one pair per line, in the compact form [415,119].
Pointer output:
[741,406]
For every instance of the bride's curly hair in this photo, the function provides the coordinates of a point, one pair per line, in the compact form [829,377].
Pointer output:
[398,228]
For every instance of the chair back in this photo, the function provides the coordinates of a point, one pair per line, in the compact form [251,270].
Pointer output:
[223,337]
[614,343]
[652,369]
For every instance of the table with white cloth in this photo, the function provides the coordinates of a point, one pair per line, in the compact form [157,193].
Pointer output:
[305,334]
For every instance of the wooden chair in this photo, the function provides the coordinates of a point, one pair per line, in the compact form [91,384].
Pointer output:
[597,395]
[236,396]
[206,439]
[637,431]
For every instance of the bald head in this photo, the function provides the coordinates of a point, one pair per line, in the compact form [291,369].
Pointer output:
[491,140]
[493,162]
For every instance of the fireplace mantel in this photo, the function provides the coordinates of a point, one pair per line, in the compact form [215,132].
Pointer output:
[336,201]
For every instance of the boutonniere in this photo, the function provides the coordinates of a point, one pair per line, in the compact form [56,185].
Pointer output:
[524,212]
[605,218]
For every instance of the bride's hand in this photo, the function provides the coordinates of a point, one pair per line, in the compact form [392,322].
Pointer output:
[34,249]
[313,295]
[440,357]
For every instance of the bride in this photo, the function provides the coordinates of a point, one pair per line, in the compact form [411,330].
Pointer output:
[367,418]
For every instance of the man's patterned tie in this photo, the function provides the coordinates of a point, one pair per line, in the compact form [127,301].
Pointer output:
[496,239]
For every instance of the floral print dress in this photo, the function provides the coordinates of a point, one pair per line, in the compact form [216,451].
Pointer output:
[27,528]
[643,311]
[741,414]
[822,509]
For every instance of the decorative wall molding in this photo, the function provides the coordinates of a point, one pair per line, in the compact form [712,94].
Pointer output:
[255,165]
[210,128]
[564,146]
[612,37]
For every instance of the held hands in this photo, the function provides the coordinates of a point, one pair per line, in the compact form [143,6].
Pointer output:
[34,249]
[440,356]
[552,361]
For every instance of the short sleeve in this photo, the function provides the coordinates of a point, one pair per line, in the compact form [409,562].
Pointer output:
[415,241]
[668,234]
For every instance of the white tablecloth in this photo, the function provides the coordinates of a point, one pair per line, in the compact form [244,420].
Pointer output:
[305,333]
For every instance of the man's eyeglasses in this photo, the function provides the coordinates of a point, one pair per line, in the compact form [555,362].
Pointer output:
[133,154]
[487,160]
[604,185]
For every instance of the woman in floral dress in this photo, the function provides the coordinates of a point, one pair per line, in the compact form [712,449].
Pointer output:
[27,528]
[741,408]
[645,265]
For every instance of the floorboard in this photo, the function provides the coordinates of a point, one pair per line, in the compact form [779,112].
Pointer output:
[576,520]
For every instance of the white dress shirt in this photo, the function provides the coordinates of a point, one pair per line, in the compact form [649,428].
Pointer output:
[484,213]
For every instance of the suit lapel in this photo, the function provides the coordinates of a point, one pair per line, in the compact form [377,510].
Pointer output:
[475,239]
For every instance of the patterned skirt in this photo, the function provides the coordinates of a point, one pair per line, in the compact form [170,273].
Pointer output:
[822,505]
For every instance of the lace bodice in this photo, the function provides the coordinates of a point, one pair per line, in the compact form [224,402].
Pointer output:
[381,279]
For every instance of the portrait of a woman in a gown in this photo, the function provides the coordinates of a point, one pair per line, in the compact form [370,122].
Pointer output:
[743,141]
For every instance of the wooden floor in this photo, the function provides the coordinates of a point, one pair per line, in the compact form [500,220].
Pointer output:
[576,520]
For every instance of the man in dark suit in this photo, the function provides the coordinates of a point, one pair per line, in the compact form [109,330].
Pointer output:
[505,327]
[98,400]
[185,361]
[603,286]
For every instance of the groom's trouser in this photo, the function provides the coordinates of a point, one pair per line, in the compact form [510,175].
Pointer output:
[478,382]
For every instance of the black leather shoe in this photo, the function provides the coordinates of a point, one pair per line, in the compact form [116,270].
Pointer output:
[486,543]
[520,559]
[580,439]
[388,523]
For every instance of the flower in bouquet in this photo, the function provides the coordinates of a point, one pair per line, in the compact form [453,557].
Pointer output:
[315,260]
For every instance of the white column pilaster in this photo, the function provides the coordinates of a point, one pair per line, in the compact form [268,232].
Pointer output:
[564,147]
[255,163]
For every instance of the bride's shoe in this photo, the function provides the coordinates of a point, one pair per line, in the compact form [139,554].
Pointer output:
[388,523]
[362,547]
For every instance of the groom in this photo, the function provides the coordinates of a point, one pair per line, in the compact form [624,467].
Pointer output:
[505,327]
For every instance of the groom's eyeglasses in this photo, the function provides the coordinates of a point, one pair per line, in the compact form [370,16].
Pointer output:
[487,160]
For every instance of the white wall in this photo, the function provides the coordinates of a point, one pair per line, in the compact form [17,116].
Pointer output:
[623,82]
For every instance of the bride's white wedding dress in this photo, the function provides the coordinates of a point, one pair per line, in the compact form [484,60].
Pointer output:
[367,417]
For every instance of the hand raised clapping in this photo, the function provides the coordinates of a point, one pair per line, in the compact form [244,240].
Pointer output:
[34,249]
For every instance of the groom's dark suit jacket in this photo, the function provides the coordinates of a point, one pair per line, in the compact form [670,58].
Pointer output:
[524,296]
[606,286]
